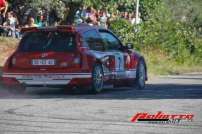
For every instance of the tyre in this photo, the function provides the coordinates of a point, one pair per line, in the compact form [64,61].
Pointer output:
[140,80]
[97,79]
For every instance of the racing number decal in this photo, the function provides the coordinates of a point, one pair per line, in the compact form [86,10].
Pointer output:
[119,61]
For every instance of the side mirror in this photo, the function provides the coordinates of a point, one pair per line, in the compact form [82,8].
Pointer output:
[129,46]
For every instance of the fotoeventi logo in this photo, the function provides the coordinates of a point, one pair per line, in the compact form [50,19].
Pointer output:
[161,117]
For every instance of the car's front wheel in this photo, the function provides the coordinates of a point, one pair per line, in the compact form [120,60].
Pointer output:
[140,80]
[97,79]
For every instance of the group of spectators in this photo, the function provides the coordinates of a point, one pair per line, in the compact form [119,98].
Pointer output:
[102,17]
[10,26]
[9,23]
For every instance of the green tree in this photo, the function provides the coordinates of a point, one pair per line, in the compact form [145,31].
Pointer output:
[188,11]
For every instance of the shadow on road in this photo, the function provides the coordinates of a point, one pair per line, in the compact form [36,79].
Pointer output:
[152,91]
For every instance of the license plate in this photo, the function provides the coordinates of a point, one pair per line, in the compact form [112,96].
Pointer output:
[43,62]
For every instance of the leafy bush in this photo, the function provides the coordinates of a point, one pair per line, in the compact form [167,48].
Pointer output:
[176,39]
[124,29]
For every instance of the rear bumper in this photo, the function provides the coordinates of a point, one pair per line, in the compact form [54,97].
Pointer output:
[48,79]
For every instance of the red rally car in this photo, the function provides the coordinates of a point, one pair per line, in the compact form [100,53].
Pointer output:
[74,56]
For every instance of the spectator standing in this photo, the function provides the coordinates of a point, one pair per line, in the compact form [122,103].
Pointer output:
[91,16]
[53,18]
[40,21]
[88,12]
[80,15]
[126,15]
[132,18]
[11,25]
[31,23]
[103,18]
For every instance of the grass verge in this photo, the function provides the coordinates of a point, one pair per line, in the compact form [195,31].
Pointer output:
[160,64]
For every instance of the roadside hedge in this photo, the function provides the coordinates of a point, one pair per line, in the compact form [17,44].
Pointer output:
[176,39]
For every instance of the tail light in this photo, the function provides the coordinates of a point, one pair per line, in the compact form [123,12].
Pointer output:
[76,62]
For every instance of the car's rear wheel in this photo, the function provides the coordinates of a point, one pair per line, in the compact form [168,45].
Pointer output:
[140,80]
[97,79]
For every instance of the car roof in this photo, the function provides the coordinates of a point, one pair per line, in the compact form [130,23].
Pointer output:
[69,28]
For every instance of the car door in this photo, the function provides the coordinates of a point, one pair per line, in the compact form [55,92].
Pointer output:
[113,47]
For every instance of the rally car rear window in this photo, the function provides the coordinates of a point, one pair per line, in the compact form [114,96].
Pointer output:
[48,41]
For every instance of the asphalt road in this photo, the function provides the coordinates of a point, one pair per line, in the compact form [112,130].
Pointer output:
[50,111]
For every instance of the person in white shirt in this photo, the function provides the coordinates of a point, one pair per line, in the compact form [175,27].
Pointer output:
[103,18]
[11,24]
